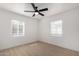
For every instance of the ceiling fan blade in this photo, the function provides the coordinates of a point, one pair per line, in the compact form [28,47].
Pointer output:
[33,5]
[45,9]
[41,14]
[33,15]
[29,11]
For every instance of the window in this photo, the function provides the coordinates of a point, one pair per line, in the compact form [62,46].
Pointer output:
[56,28]
[17,28]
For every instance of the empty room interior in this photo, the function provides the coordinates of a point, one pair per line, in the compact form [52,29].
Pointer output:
[39,29]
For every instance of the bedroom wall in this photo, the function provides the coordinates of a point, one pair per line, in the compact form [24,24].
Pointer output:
[6,38]
[70,37]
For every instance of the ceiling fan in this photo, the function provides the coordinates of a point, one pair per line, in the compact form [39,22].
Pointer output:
[36,11]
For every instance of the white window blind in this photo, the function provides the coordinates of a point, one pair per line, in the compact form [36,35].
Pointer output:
[17,28]
[56,28]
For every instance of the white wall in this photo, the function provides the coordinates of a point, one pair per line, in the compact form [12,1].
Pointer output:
[70,38]
[6,39]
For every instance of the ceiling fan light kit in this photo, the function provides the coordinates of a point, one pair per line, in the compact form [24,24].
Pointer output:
[36,13]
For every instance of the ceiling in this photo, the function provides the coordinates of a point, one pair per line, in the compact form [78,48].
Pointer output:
[53,8]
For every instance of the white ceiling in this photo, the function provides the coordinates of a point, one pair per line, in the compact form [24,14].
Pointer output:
[53,8]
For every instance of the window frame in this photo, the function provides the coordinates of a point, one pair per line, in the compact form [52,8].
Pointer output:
[57,35]
[16,24]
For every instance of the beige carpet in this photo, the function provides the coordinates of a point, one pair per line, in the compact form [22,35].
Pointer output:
[38,49]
